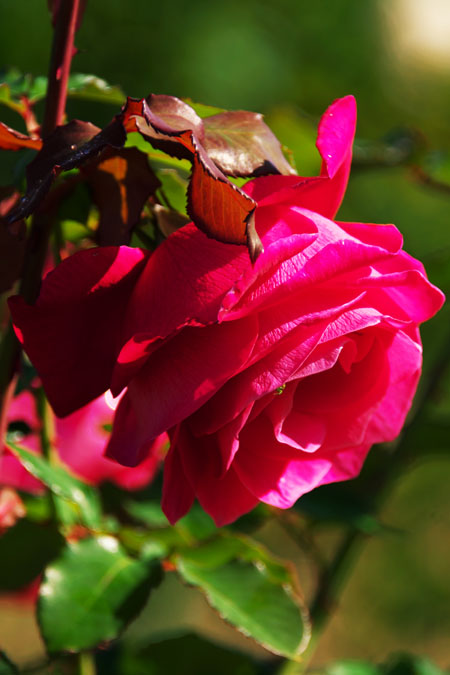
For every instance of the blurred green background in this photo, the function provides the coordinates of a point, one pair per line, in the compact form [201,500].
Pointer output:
[289,59]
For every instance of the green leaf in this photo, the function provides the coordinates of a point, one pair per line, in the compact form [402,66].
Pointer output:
[63,484]
[91,592]
[148,512]
[74,231]
[410,664]
[7,667]
[174,187]
[14,84]
[189,655]
[25,550]
[251,589]
[92,88]
[202,109]
[158,159]
[397,664]
[196,524]
[350,668]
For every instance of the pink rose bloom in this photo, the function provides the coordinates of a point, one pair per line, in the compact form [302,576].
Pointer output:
[81,439]
[271,379]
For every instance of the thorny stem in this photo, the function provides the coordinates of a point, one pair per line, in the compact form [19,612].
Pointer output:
[376,485]
[37,242]
[60,62]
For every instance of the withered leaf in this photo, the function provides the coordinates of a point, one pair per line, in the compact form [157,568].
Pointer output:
[122,181]
[241,144]
[65,148]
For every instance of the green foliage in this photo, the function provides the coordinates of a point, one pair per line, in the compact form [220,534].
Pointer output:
[398,664]
[97,585]
[63,484]
[189,655]
[250,589]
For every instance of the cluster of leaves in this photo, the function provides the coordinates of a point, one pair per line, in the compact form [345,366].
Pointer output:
[218,147]
[101,572]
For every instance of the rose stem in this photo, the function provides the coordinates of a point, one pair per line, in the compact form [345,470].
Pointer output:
[39,234]
[376,484]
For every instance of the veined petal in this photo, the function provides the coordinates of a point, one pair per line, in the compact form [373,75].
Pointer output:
[186,371]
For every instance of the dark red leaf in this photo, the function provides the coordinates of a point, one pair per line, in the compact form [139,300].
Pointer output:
[14,140]
[175,114]
[12,241]
[170,117]
[121,181]
[241,144]
[217,206]
[65,148]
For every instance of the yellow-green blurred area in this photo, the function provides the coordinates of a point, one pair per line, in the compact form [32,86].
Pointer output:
[290,59]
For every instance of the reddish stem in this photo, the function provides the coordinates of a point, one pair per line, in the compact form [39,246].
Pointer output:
[67,22]
[60,62]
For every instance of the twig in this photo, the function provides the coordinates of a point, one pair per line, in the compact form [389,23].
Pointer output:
[37,242]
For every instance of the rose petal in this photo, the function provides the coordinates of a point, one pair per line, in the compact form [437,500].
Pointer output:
[181,376]
[322,194]
[224,498]
[73,352]
[81,442]
[178,494]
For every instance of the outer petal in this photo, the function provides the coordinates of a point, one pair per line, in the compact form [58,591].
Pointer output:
[75,330]
[280,479]
[224,498]
[125,444]
[273,477]
[322,194]
[177,380]
[334,252]
[405,364]
[184,283]
[178,494]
